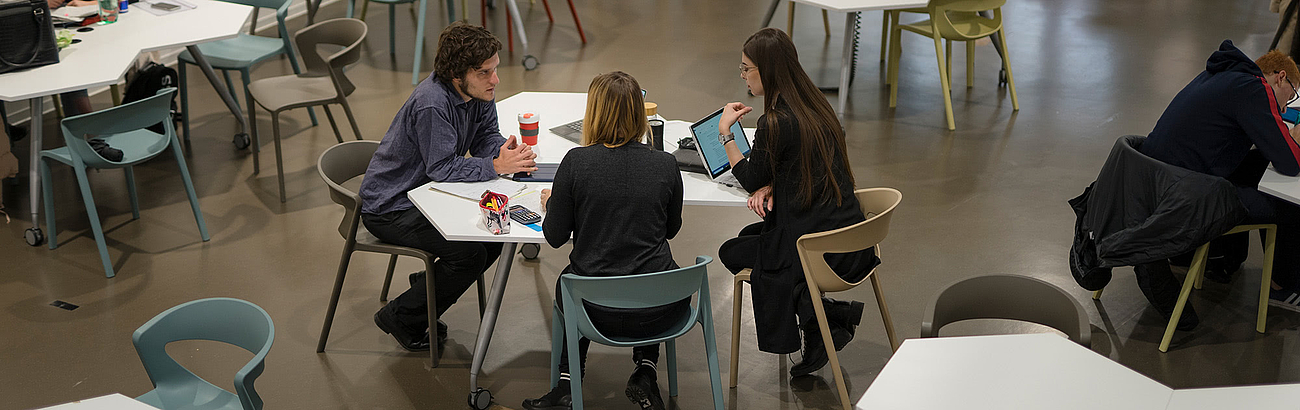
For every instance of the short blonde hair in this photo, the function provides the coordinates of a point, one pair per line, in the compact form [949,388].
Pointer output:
[1275,61]
[615,111]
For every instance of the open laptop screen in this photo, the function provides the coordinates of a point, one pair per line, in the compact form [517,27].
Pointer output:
[705,132]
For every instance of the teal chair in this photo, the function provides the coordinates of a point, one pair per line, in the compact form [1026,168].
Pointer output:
[392,27]
[634,291]
[241,53]
[123,128]
[225,320]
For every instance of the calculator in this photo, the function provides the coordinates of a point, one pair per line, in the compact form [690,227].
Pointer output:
[523,215]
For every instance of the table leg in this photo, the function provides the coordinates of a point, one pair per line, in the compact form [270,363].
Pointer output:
[225,95]
[34,237]
[847,61]
[493,307]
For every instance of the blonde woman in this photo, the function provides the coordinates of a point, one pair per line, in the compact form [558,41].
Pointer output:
[620,201]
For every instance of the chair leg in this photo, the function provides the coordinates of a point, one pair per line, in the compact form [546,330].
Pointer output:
[970,64]
[547,5]
[826,22]
[334,126]
[189,188]
[944,86]
[430,294]
[1197,269]
[771,12]
[419,52]
[347,110]
[334,296]
[789,21]
[96,229]
[388,278]
[482,297]
[230,85]
[256,145]
[58,106]
[185,100]
[117,94]
[884,312]
[392,29]
[822,326]
[1006,63]
[575,362]
[671,347]
[451,12]
[47,190]
[947,54]
[711,354]
[279,160]
[130,191]
[884,35]
[1270,244]
[576,22]
[896,51]
[365,6]
[737,299]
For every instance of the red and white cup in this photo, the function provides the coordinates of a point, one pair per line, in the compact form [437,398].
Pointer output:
[528,127]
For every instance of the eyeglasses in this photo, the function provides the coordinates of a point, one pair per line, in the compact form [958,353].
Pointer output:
[1295,95]
[744,69]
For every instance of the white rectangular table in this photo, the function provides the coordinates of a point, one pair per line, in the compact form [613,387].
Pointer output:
[115,401]
[103,56]
[1281,186]
[1029,371]
[457,218]
[852,8]
[1240,397]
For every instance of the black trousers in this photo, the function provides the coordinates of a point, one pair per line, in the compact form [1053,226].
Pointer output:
[459,264]
[629,323]
[741,253]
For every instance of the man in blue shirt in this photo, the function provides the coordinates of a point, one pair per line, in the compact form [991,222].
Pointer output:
[447,131]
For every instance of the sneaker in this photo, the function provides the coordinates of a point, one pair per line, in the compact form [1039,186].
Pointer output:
[557,399]
[643,388]
[1284,299]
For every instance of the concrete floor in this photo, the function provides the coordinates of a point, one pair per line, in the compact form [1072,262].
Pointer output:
[988,198]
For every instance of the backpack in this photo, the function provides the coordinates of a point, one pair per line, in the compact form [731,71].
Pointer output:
[146,82]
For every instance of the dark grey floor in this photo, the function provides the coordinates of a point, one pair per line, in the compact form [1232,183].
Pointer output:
[988,198]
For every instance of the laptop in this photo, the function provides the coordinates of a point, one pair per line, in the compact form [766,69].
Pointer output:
[705,132]
[571,131]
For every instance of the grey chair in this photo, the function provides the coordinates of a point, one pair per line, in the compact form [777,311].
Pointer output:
[1008,297]
[322,83]
[337,165]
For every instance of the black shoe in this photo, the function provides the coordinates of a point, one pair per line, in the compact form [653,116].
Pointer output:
[386,321]
[843,318]
[557,399]
[1217,272]
[643,388]
[414,277]
[814,351]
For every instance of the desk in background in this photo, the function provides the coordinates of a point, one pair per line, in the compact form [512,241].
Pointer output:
[104,55]
[457,218]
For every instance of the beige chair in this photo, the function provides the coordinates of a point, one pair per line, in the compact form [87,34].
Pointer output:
[320,84]
[952,20]
[1196,274]
[878,205]
[337,165]
[1011,297]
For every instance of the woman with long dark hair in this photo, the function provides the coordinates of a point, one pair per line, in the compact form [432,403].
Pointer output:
[799,182]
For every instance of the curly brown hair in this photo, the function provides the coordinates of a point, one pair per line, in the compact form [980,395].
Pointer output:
[1276,61]
[463,47]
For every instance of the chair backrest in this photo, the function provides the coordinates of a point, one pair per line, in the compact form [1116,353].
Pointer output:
[878,207]
[337,165]
[126,117]
[226,320]
[1008,297]
[281,13]
[944,12]
[637,291]
[345,32]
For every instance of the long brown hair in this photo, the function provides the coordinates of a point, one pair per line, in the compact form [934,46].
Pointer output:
[821,140]
[615,111]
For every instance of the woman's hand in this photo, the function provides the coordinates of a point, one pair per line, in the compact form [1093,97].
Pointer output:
[731,113]
[546,195]
[761,201]
[79,3]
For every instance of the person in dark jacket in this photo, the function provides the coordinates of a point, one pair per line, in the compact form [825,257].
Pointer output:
[620,201]
[1210,127]
[799,180]
[450,114]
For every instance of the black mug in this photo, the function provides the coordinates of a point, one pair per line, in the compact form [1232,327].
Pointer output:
[657,133]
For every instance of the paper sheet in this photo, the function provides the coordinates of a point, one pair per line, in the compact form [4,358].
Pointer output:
[474,190]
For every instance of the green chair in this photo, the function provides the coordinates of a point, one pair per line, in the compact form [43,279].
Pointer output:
[952,20]
[392,27]
[634,291]
[226,320]
[123,128]
[240,53]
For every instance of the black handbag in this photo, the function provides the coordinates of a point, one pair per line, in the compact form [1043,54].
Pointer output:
[26,35]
